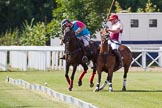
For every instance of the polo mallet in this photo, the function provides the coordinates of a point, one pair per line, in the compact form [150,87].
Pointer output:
[109,12]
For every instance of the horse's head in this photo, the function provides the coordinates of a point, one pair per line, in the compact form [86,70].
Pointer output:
[69,35]
[104,47]
[104,36]
[69,38]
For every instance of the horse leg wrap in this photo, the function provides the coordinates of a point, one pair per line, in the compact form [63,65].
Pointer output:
[92,77]
[71,84]
[82,74]
[68,80]
[97,86]
[124,82]
[110,87]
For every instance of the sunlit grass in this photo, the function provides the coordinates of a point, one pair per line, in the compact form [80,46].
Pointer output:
[144,89]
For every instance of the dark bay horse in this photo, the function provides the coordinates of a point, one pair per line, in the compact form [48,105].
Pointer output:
[108,62]
[74,54]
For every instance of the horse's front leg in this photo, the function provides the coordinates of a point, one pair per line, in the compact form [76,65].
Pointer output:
[72,78]
[82,74]
[99,80]
[66,73]
[109,78]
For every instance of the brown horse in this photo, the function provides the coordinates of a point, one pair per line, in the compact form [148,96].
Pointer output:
[108,62]
[74,54]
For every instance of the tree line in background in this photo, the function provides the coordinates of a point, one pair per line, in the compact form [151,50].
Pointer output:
[33,22]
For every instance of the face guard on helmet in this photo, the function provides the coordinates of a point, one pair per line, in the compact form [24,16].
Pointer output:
[64,22]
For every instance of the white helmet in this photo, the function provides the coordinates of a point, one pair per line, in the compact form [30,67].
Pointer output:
[64,22]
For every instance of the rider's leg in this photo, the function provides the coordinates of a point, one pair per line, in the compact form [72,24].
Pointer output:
[86,48]
[117,53]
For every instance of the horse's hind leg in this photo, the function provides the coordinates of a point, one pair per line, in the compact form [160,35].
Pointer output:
[82,74]
[91,78]
[126,68]
[93,75]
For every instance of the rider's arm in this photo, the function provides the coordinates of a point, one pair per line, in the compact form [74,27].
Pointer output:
[113,31]
[117,29]
[81,26]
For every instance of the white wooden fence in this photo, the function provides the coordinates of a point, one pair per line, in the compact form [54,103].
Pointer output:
[147,59]
[35,57]
[47,57]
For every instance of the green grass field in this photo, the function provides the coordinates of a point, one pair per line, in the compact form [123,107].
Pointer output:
[144,90]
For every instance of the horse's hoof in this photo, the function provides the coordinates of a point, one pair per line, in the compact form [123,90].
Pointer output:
[91,84]
[96,90]
[80,83]
[123,89]
[110,90]
[70,89]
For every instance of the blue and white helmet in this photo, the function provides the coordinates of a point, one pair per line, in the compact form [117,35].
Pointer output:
[64,22]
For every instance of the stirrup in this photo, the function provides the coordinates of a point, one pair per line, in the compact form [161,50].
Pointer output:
[85,59]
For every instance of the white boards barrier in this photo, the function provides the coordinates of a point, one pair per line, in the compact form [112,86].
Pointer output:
[47,57]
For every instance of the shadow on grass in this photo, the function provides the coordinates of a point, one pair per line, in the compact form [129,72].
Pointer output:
[122,91]
[138,91]
[23,106]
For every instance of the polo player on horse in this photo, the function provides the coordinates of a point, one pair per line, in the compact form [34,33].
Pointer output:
[115,34]
[81,32]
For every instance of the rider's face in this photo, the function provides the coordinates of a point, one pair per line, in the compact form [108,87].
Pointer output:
[113,21]
[68,25]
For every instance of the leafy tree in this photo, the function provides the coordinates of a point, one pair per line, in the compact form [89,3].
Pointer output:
[15,12]
[87,11]
[34,34]
[10,38]
[118,7]
[149,7]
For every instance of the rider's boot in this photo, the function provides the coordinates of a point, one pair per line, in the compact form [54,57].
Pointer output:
[85,58]
[117,53]
[63,57]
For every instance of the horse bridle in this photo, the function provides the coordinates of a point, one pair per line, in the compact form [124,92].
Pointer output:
[105,37]
[67,40]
